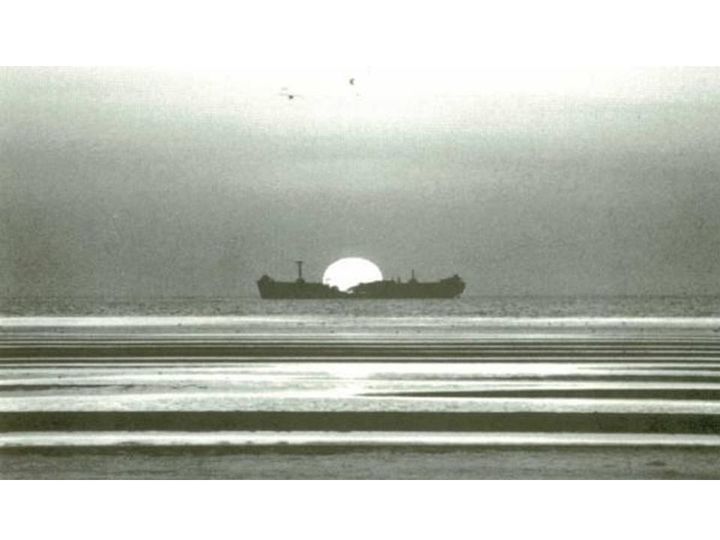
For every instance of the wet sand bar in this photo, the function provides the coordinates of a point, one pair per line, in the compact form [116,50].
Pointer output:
[75,421]
[323,462]
[530,399]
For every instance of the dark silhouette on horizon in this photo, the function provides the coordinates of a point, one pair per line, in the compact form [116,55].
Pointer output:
[451,287]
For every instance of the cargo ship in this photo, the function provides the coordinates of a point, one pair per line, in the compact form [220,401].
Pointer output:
[269,288]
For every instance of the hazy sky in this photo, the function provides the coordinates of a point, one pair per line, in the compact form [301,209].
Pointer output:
[149,183]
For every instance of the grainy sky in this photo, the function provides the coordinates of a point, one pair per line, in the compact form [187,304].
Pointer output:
[134,183]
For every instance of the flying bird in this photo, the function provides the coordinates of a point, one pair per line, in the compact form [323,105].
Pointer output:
[286,93]
[352,81]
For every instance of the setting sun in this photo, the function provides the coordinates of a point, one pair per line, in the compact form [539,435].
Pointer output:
[346,273]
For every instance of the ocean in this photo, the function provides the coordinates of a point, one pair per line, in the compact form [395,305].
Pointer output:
[485,306]
[591,387]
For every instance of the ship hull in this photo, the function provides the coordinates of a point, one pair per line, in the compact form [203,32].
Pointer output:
[380,290]
[300,290]
[445,288]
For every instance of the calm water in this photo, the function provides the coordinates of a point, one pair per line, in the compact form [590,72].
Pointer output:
[621,306]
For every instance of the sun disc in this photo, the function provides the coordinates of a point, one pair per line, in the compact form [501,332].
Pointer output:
[350,271]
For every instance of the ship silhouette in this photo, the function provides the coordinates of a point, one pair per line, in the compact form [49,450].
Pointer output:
[270,288]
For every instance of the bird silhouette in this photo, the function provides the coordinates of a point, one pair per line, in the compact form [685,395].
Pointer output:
[352,81]
[286,93]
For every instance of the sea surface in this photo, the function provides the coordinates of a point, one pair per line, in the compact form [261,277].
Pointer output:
[485,306]
[474,388]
